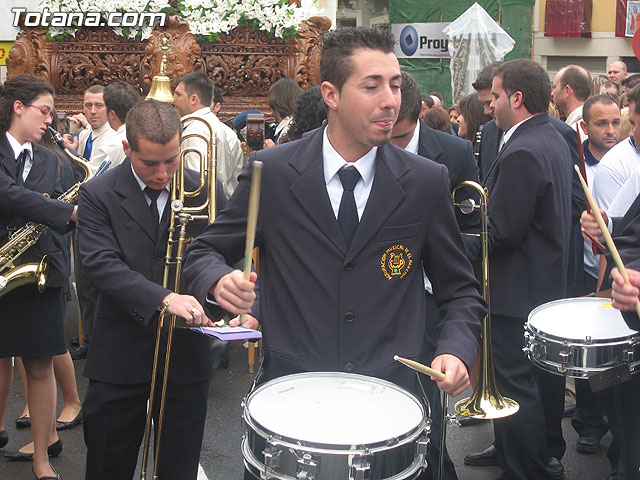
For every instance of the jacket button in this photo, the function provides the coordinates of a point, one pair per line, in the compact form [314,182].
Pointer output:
[349,317]
[348,367]
[349,266]
[159,256]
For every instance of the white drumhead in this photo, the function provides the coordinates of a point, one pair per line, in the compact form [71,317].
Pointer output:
[334,409]
[578,318]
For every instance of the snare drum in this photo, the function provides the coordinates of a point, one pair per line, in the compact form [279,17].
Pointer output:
[577,337]
[334,426]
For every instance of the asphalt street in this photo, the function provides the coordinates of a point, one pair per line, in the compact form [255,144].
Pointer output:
[221,457]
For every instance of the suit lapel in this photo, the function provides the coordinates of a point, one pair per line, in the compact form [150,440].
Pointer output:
[7,159]
[38,169]
[311,191]
[428,145]
[386,194]
[133,201]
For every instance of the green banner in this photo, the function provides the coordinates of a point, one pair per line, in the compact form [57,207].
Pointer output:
[433,74]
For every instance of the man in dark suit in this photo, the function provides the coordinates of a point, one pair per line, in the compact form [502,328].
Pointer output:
[124,216]
[415,136]
[529,186]
[332,300]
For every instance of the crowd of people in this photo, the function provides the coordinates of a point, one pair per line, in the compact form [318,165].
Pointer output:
[358,170]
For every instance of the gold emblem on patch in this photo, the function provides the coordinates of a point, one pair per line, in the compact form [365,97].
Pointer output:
[396,261]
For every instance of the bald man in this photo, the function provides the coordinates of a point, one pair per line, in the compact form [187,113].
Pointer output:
[617,72]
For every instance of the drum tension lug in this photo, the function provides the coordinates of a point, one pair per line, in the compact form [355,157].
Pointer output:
[307,468]
[360,468]
[271,459]
[423,446]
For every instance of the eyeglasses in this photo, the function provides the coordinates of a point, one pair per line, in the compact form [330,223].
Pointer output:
[46,111]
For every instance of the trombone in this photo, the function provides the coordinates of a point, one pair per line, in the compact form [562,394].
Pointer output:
[180,217]
[486,402]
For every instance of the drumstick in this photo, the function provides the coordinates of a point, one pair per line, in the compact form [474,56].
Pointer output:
[252,221]
[420,367]
[605,233]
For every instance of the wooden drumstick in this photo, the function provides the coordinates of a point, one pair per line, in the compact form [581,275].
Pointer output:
[605,233]
[420,368]
[252,221]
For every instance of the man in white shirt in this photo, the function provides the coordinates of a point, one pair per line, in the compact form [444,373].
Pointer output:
[95,129]
[119,97]
[193,97]
[571,88]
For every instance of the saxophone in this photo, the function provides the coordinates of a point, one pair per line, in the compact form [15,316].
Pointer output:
[12,277]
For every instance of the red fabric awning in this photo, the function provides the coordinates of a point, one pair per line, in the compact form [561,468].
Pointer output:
[568,18]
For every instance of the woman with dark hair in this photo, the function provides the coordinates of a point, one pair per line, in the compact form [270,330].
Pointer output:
[31,323]
[438,119]
[283,98]
[471,117]
[311,112]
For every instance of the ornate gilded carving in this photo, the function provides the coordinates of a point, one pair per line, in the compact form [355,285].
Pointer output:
[184,56]
[243,64]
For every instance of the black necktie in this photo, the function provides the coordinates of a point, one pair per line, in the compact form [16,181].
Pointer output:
[20,163]
[153,206]
[88,147]
[348,212]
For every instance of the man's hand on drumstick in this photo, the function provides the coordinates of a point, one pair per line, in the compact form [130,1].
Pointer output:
[625,296]
[235,293]
[187,307]
[590,225]
[456,375]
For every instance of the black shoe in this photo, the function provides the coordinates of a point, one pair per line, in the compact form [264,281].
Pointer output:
[555,468]
[53,450]
[80,352]
[23,422]
[71,424]
[485,458]
[569,410]
[50,477]
[468,421]
[74,342]
[588,443]
[4,438]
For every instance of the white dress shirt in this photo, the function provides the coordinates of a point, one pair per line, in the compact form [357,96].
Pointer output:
[333,162]
[112,148]
[17,150]
[161,202]
[99,137]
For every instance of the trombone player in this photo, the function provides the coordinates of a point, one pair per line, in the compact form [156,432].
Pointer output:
[123,221]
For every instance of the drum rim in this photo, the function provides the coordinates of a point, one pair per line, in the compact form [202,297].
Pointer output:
[581,342]
[411,435]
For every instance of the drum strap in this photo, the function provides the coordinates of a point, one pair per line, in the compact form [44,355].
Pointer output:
[602,268]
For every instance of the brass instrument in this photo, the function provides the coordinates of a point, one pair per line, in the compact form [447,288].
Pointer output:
[486,402]
[176,244]
[12,277]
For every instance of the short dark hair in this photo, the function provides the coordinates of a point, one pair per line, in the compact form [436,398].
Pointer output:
[338,47]
[25,88]
[95,89]
[633,95]
[602,98]
[283,97]
[578,79]
[200,84]
[155,121]
[426,98]
[528,77]
[485,77]
[411,100]
[439,96]
[438,119]
[120,97]
[632,81]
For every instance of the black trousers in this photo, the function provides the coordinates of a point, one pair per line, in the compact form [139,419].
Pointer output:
[626,427]
[87,298]
[520,440]
[552,397]
[114,422]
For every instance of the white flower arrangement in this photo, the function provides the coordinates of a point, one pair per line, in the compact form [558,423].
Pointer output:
[207,18]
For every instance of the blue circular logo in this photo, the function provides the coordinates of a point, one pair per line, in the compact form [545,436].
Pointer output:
[409,40]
